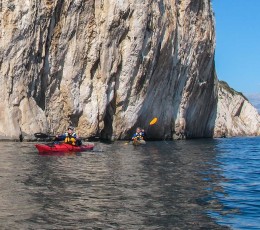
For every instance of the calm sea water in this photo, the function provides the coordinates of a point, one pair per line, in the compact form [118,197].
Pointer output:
[195,184]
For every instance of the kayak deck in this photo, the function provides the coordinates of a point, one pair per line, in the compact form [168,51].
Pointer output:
[138,142]
[63,147]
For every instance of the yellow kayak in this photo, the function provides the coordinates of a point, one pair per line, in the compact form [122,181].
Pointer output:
[138,142]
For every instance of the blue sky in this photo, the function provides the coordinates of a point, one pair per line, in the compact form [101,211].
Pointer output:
[238,45]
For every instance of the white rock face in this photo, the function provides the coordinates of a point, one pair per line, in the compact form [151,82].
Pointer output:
[106,67]
[236,116]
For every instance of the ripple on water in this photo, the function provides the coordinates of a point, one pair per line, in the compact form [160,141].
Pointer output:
[196,184]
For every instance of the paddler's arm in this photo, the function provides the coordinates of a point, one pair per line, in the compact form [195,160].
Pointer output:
[60,137]
[134,136]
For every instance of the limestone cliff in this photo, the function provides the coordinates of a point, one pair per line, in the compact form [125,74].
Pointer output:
[235,115]
[106,67]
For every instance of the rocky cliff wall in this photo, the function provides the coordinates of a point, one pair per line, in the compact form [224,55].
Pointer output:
[107,66]
[235,115]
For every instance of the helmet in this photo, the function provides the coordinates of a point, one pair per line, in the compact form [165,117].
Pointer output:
[71,128]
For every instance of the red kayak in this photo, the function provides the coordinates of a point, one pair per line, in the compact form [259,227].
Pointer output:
[63,147]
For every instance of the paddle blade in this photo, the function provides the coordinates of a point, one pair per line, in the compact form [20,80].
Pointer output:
[153,121]
[41,135]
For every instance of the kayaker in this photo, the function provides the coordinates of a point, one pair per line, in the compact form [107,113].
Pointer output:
[139,135]
[69,137]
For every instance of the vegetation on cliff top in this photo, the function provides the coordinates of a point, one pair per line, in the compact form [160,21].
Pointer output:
[225,85]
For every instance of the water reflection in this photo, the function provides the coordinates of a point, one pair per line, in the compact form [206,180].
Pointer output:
[162,185]
[239,161]
[181,177]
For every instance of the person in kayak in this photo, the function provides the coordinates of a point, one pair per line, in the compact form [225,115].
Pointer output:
[69,137]
[139,136]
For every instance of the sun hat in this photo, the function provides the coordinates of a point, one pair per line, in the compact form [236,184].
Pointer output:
[71,128]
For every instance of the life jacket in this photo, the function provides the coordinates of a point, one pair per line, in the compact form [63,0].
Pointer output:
[138,136]
[70,138]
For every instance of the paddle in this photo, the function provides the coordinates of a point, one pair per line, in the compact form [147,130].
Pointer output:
[44,135]
[153,121]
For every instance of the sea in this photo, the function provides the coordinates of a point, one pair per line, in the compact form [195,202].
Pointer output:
[189,184]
